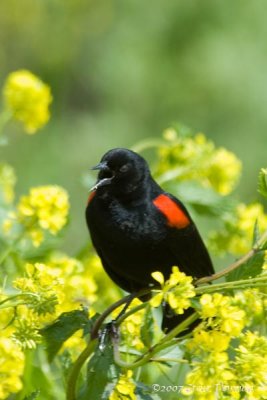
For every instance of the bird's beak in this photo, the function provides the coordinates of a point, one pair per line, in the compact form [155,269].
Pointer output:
[101,166]
[105,180]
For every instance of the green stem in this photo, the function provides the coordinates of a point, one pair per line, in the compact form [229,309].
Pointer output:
[75,370]
[166,360]
[232,285]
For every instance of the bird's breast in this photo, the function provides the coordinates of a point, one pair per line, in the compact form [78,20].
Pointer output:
[129,224]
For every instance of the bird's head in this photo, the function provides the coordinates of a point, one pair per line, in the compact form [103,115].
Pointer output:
[121,171]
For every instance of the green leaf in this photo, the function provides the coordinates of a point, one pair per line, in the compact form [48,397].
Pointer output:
[262,182]
[34,395]
[147,327]
[63,328]
[251,268]
[101,371]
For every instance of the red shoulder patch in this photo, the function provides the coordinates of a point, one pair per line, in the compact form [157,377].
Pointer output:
[91,196]
[176,217]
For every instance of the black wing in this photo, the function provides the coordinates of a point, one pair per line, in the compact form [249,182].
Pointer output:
[188,248]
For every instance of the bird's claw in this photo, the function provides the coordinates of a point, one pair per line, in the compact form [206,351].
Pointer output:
[110,331]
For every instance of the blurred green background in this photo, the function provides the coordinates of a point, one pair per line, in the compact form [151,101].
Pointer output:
[123,70]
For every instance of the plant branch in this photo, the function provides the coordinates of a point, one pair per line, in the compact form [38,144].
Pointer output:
[167,360]
[258,280]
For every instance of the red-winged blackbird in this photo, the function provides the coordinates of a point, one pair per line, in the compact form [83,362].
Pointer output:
[137,228]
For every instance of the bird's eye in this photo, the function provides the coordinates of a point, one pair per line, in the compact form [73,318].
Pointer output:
[124,168]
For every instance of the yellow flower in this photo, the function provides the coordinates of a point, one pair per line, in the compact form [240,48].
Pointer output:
[219,312]
[26,328]
[223,171]
[208,341]
[177,290]
[27,98]
[237,233]
[208,373]
[45,208]
[11,367]
[246,218]
[251,363]
[77,283]
[40,287]
[62,285]
[187,157]
[251,301]
[7,182]
[124,389]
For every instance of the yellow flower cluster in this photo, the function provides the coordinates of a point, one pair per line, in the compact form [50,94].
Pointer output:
[11,367]
[208,373]
[45,291]
[26,327]
[220,313]
[252,302]
[207,341]
[223,171]
[78,285]
[224,318]
[40,284]
[176,291]
[27,99]
[39,290]
[44,209]
[196,158]
[251,364]
[7,182]
[124,389]
[49,290]
[237,233]
[242,377]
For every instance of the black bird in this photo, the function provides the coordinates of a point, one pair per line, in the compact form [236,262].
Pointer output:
[137,228]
